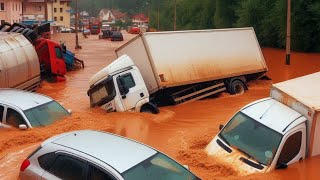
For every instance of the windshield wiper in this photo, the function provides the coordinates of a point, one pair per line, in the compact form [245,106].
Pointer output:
[248,155]
[224,139]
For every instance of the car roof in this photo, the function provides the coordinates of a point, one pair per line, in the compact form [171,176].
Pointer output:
[272,114]
[22,99]
[118,152]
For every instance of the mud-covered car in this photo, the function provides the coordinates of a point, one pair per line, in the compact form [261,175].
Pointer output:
[96,155]
[23,110]
[116,36]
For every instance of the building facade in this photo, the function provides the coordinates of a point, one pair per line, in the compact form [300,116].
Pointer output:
[111,16]
[140,20]
[35,11]
[10,11]
[61,13]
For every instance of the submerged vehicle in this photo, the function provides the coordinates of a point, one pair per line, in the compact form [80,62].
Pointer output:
[102,156]
[18,56]
[152,70]
[274,132]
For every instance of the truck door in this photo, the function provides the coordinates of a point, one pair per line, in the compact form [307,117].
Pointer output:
[3,75]
[294,146]
[129,80]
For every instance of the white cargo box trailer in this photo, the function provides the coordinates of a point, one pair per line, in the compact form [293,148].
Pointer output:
[170,59]
[19,64]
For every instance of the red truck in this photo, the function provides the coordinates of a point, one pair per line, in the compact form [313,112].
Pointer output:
[95,27]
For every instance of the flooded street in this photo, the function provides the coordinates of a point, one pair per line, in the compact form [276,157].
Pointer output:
[181,131]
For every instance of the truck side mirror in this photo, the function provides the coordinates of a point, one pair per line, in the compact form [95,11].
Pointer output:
[281,166]
[122,87]
[221,127]
[23,127]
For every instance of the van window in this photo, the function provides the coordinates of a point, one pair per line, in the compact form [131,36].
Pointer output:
[1,113]
[14,118]
[58,52]
[291,148]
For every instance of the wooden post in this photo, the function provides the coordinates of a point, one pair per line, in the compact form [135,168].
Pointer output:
[288,43]
[46,10]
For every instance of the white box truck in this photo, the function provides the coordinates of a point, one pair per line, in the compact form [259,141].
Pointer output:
[178,67]
[19,64]
[274,132]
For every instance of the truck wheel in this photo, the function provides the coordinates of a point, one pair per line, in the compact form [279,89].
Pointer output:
[237,87]
[149,108]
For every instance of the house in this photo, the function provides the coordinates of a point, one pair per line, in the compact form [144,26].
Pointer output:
[140,20]
[34,11]
[111,16]
[61,13]
[10,11]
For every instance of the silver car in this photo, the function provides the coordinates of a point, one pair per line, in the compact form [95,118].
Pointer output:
[22,109]
[96,155]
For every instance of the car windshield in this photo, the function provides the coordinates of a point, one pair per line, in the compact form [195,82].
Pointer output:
[158,167]
[252,138]
[45,114]
[102,93]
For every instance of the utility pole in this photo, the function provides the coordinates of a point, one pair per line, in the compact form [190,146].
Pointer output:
[46,10]
[76,27]
[158,15]
[288,43]
[175,16]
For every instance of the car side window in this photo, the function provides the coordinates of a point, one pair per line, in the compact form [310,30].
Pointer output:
[291,148]
[66,167]
[46,160]
[14,118]
[1,113]
[128,80]
[97,174]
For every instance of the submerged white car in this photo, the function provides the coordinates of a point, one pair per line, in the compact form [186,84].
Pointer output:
[100,156]
[22,109]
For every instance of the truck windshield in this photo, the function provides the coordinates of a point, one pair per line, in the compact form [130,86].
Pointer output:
[158,167]
[45,114]
[102,93]
[252,138]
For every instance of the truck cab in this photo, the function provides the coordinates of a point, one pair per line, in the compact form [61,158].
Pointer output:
[274,132]
[120,87]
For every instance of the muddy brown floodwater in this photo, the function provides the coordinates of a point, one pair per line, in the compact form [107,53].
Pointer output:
[181,131]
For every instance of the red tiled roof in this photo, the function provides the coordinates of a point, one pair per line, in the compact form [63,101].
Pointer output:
[141,17]
[116,13]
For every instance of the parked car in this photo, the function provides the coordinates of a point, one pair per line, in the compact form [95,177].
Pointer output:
[116,36]
[86,32]
[22,109]
[96,155]
[66,30]
[134,30]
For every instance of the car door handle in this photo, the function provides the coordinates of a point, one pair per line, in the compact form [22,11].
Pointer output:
[141,95]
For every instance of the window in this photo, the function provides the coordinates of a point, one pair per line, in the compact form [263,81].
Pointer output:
[55,19]
[14,118]
[61,18]
[58,52]
[16,7]
[19,7]
[66,167]
[2,7]
[61,3]
[3,21]
[128,80]
[37,8]
[97,174]
[61,9]
[46,160]
[1,113]
[291,148]
[55,10]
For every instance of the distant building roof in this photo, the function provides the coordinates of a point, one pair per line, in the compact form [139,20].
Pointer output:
[115,12]
[141,17]
[84,13]
[38,1]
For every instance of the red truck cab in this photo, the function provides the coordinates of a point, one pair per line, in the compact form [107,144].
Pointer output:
[51,58]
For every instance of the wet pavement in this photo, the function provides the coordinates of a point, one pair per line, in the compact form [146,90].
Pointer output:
[180,131]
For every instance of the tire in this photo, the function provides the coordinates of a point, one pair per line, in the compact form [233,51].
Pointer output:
[146,110]
[237,87]
[149,108]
